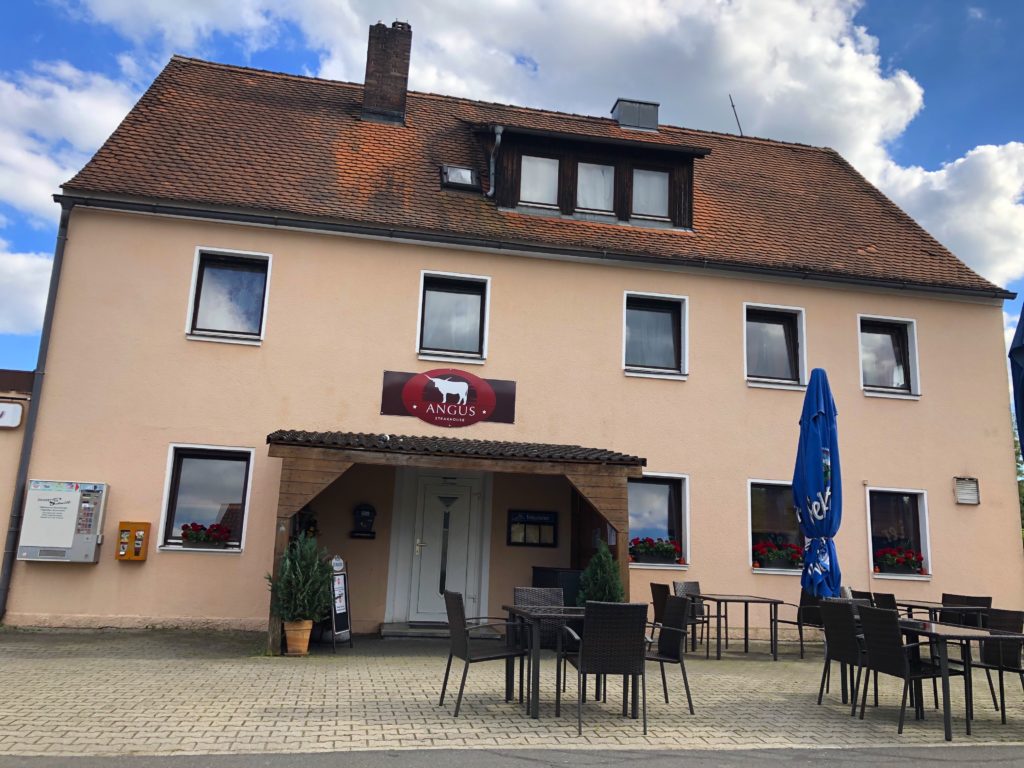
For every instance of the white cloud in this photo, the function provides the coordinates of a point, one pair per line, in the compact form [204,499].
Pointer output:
[24,279]
[51,120]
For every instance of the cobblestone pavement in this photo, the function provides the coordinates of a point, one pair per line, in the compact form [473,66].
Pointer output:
[164,693]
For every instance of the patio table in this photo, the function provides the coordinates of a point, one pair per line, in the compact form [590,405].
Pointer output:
[934,608]
[534,616]
[940,635]
[747,600]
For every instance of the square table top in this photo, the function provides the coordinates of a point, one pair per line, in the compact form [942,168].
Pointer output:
[738,598]
[545,611]
[931,605]
[954,631]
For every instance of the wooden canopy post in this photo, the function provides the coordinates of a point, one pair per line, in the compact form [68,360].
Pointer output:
[302,479]
[608,493]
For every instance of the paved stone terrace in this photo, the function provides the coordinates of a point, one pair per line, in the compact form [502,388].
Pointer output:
[172,692]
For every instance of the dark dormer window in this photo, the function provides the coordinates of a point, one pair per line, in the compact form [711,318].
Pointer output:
[539,184]
[595,187]
[650,194]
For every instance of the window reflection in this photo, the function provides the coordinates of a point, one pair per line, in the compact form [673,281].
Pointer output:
[772,346]
[885,355]
[208,487]
[653,334]
[453,316]
[655,510]
[230,296]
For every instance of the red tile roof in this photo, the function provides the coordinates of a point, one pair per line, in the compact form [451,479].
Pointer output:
[221,136]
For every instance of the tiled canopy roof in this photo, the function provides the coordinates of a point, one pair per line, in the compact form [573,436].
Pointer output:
[453,447]
[217,136]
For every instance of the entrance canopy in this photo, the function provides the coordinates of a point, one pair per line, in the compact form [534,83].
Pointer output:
[311,461]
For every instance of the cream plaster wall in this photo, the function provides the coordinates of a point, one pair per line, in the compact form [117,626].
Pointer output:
[343,310]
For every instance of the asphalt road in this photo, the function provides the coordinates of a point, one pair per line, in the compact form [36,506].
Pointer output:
[902,757]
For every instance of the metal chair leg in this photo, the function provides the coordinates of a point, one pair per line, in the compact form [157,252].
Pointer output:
[1002,698]
[625,695]
[686,685]
[643,688]
[558,687]
[856,689]
[664,680]
[444,685]
[580,677]
[824,674]
[991,688]
[462,686]
[903,706]
[863,701]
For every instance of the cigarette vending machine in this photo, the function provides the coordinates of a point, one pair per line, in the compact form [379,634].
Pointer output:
[62,521]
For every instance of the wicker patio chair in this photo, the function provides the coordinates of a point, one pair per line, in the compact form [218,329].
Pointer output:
[536,597]
[473,649]
[807,615]
[1003,655]
[613,642]
[857,594]
[699,615]
[949,614]
[888,654]
[671,642]
[885,600]
[843,644]
[658,594]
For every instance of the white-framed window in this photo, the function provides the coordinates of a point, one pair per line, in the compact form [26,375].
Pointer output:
[453,314]
[898,537]
[229,295]
[659,511]
[774,346]
[654,337]
[538,181]
[207,490]
[888,356]
[775,543]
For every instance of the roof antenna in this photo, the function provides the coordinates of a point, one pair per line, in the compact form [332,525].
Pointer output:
[731,102]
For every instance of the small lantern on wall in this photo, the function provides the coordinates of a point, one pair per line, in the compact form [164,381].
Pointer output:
[363,517]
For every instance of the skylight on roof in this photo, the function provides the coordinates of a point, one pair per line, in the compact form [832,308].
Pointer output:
[459,177]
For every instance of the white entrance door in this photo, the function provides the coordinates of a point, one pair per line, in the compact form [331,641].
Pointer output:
[447,546]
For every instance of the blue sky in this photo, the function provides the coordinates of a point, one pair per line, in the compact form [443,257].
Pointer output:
[923,97]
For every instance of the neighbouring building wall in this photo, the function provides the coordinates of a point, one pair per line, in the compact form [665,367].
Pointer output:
[10,452]
[343,310]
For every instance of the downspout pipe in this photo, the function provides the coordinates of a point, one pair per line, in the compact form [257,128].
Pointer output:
[14,524]
[498,129]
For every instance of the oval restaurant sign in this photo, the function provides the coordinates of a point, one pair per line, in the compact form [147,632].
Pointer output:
[448,397]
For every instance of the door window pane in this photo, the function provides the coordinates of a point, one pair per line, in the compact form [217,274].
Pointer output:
[539,180]
[653,334]
[452,315]
[772,345]
[595,185]
[895,521]
[650,193]
[229,295]
[207,487]
[885,355]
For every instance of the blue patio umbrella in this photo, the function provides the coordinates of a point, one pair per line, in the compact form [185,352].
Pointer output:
[1017,373]
[818,489]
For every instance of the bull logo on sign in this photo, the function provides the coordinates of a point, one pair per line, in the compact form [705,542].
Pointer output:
[448,387]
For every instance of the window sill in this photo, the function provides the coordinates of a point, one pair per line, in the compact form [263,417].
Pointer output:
[902,576]
[767,384]
[778,571]
[452,359]
[200,550]
[656,375]
[253,342]
[891,395]
[658,566]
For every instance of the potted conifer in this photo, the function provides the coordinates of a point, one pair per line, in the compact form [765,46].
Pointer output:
[600,580]
[301,593]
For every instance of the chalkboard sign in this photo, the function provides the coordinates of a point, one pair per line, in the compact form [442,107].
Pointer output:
[341,614]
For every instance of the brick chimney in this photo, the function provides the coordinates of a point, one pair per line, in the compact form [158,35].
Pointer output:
[387,72]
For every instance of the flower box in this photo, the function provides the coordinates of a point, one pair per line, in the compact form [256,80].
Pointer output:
[660,559]
[905,568]
[203,545]
[778,563]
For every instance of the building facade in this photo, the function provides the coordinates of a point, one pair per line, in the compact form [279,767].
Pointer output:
[259,269]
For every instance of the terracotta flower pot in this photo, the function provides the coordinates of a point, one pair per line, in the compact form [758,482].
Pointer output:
[296,635]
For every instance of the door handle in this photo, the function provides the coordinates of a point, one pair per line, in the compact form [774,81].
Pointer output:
[420,544]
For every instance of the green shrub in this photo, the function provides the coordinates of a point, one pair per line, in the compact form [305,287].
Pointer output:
[600,580]
[302,589]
